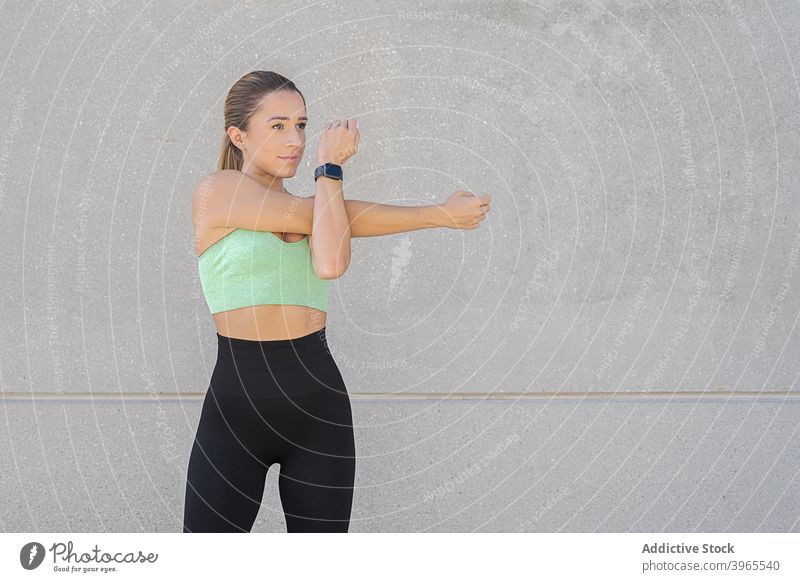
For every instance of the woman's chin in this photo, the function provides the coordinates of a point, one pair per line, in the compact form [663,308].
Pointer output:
[285,171]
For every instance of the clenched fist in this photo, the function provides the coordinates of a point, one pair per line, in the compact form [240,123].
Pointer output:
[339,141]
[464,210]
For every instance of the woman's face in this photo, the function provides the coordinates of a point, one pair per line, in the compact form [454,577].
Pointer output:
[275,134]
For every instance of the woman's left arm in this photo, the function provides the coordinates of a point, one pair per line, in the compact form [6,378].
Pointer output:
[374,219]
[464,211]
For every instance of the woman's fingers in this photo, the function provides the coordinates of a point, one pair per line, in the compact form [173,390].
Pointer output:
[349,124]
[341,136]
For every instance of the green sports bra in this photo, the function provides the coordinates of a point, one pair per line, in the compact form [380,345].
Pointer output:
[254,267]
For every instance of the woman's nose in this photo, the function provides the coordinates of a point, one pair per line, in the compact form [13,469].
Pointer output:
[295,139]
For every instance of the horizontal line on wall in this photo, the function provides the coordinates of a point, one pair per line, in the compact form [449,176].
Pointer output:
[781,396]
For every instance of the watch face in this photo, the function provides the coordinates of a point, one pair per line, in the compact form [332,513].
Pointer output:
[329,170]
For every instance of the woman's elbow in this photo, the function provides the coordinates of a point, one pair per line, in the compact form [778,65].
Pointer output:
[333,271]
[332,274]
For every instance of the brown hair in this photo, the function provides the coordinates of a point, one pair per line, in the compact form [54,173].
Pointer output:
[242,100]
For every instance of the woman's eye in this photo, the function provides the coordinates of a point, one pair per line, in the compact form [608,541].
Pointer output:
[277,125]
[302,125]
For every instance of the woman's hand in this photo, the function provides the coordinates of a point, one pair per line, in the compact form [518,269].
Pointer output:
[339,141]
[465,210]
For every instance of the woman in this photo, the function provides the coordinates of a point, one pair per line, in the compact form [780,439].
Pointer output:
[266,258]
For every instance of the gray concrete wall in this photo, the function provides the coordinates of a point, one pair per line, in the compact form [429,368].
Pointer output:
[621,333]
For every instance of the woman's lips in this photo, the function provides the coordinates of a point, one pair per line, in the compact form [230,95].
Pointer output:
[290,159]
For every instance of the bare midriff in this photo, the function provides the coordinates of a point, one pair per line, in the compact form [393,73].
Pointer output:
[263,322]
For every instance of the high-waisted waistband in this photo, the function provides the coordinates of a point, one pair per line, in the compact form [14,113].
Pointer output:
[273,347]
[275,368]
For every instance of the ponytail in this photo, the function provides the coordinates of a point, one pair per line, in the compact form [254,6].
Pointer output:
[230,157]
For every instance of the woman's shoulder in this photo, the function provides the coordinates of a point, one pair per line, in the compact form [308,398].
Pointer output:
[216,187]
[219,180]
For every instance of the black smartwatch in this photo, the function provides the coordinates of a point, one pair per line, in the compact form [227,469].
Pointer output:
[329,171]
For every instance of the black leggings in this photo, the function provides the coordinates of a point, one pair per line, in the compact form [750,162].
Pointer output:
[280,401]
